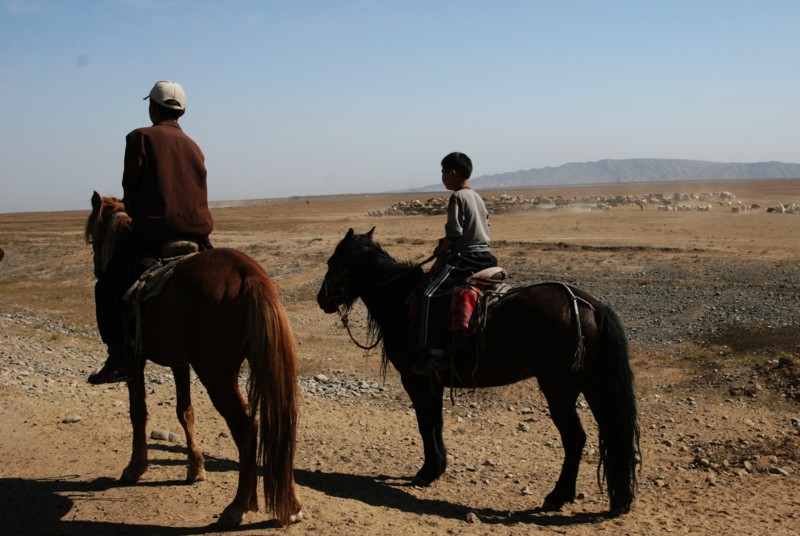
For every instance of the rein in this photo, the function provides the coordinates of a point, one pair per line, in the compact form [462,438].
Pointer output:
[344,316]
[346,323]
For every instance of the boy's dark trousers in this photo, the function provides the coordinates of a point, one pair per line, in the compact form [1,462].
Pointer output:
[447,273]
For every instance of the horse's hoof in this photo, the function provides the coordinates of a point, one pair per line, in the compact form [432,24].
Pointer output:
[296,518]
[229,519]
[195,475]
[617,511]
[419,482]
[550,506]
[130,476]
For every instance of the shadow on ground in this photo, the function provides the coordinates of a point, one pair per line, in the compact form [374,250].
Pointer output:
[37,507]
[40,506]
[392,492]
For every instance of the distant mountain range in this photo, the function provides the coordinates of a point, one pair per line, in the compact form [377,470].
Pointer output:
[633,170]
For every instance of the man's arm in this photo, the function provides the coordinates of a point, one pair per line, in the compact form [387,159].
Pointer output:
[132,172]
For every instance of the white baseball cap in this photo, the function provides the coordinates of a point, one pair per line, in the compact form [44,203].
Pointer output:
[168,94]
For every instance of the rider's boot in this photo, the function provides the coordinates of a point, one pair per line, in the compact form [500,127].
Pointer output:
[433,360]
[113,370]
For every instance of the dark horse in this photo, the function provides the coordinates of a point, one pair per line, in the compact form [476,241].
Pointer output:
[218,309]
[532,331]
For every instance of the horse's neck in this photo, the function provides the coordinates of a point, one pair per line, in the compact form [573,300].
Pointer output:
[386,291]
[119,234]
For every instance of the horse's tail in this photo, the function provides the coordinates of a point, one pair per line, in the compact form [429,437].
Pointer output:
[273,393]
[618,421]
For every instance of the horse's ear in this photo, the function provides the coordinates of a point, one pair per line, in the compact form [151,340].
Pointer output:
[96,201]
[349,234]
[369,233]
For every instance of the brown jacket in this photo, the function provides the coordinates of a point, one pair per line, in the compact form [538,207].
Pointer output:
[164,184]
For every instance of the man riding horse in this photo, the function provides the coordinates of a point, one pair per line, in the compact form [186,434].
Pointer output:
[165,194]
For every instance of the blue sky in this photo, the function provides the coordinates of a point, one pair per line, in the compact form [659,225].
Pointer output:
[322,97]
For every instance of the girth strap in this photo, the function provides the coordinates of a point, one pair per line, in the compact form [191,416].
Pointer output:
[580,351]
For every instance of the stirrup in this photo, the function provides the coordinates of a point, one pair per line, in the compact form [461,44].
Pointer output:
[434,360]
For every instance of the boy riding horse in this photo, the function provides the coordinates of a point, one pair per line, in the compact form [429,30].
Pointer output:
[463,251]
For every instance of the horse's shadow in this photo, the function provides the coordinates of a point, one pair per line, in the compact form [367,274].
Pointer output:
[41,506]
[212,463]
[392,492]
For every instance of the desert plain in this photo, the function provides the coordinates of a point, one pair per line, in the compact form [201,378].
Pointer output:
[710,301]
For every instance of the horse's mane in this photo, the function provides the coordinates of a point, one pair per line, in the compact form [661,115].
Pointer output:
[106,226]
[389,269]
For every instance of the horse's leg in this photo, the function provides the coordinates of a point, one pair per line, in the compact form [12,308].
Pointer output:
[138,413]
[185,411]
[227,398]
[427,399]
[561,396]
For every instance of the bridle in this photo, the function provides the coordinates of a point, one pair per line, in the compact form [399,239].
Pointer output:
[342,275]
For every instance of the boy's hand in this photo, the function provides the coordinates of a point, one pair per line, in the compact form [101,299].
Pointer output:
[444,245]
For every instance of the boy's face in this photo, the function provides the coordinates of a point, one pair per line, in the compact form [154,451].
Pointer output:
[450,179]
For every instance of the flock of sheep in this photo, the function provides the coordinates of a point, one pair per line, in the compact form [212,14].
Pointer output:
[676,202]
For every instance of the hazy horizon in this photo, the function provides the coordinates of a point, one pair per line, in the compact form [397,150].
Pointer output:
[366,96]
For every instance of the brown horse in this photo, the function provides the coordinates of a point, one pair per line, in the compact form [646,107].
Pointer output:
[571,342]
[218,309]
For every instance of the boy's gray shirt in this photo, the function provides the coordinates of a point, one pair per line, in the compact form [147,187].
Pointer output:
[467,221]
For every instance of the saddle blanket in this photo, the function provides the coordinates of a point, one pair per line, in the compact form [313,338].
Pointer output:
[473,297]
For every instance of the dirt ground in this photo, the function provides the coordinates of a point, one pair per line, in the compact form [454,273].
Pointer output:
[710,301]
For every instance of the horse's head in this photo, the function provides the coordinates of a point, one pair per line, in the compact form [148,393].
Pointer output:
[106,226]
[340,285]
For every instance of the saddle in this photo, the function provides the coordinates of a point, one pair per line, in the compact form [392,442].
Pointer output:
[471,300]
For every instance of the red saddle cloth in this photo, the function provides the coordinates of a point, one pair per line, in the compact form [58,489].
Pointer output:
[465,298]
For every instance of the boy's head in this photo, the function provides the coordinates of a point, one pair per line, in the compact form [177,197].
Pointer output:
[458,162]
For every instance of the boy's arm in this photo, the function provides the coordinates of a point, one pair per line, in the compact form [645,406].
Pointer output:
[452,227]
